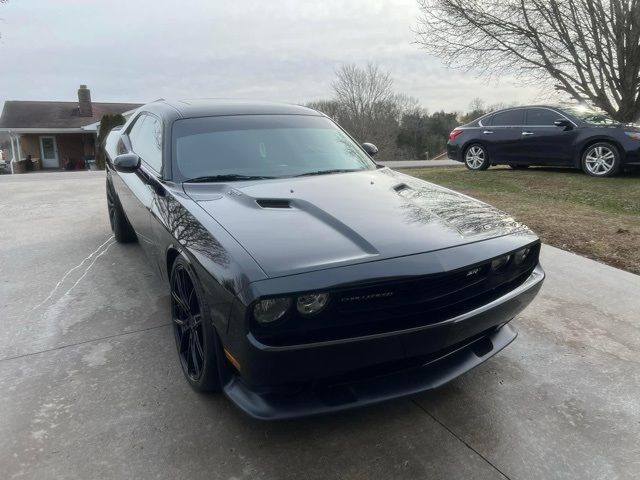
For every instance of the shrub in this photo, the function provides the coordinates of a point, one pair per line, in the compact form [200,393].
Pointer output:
[107,123]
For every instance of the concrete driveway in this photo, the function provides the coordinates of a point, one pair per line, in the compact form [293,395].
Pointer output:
[90,385]
[421,163]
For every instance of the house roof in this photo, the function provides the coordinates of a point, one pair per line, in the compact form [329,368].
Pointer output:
[55,115]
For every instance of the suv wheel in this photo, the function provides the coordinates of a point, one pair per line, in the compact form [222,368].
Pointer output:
[476,158]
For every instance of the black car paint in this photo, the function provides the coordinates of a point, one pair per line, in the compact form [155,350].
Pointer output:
[326,239]
[419,217]
[542,144]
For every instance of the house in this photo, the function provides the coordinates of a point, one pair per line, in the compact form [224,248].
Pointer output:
[56,134]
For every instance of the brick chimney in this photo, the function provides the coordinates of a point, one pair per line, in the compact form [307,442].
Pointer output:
[84,101]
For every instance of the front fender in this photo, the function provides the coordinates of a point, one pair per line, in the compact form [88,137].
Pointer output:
[585,143]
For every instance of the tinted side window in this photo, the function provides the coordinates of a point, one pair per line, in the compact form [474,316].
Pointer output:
[541,116]
[508,118]
[146,140]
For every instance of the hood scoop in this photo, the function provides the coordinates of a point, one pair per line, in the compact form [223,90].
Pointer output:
[273,203]
[401,187]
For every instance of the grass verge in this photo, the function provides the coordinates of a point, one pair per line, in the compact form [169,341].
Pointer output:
[595,217]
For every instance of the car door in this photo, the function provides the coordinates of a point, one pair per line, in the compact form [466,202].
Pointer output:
[137,189]
[543,142]
[502,135]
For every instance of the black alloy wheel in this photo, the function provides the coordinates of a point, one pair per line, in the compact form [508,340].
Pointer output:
[193,332]
[120,226]
[111,207]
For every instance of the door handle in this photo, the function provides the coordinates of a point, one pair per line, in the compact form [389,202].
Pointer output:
[487,132]
[527,133]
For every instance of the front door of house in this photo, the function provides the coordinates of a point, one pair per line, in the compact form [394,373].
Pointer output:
[49,152]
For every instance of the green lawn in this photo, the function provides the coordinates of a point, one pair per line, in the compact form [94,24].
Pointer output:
[595,217]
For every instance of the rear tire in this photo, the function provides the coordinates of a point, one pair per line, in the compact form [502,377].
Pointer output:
[199,348]
[120,226]
[518,167]
[601,160]
[476,157]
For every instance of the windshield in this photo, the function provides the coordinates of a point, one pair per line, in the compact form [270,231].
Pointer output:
[591,116]
[240,147]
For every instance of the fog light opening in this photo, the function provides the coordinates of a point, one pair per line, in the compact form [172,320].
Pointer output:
[521,256]
[500,263]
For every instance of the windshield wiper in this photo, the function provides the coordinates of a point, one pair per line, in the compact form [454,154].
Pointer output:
[335,170]
[231,177]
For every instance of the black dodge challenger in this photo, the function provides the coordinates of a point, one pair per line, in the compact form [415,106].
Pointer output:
[304,277]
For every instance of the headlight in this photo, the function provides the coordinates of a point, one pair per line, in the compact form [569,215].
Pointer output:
[634,135]
[312,303]
[500,263]
[521,255]
[271,309]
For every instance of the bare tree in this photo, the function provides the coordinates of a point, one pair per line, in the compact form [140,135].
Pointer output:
[589,49]
[332,108]
[477,105]
[2,2]
[360,92]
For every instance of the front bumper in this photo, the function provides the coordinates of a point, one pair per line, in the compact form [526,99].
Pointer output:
[280,382]
[632,156]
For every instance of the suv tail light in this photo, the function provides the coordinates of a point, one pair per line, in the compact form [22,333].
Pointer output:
[454,133]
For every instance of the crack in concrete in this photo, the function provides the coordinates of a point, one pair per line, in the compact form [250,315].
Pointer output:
[417,404]
[87,269]
[85,342]
[64,277]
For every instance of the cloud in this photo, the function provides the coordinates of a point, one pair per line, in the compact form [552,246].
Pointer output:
[283,50]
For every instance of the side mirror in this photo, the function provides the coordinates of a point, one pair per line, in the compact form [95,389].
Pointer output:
[370,148]
[126,163]
[563,123]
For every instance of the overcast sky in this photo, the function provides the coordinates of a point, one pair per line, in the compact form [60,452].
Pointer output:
[283,50]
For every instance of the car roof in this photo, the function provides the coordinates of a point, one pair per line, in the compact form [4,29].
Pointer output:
[561,108]
[210,107]
[554,107]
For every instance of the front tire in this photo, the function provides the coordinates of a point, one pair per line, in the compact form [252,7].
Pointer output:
[120,226]
[476,157]
[601,160]
[195,336]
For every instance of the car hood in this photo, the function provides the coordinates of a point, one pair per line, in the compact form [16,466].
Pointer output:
[296,225]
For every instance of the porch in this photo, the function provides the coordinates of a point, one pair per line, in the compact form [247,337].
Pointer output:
[52,150]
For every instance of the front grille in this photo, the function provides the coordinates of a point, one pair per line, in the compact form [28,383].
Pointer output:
[396,298]
[398,305]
